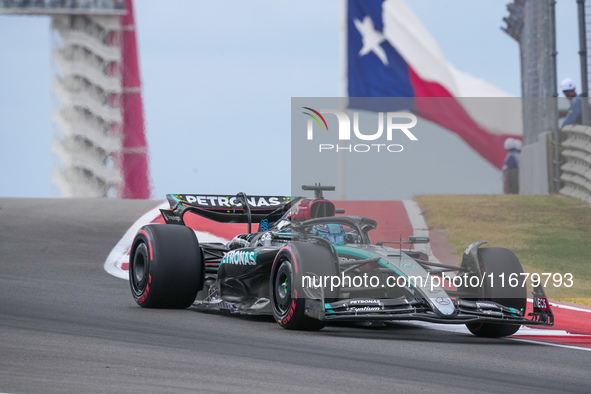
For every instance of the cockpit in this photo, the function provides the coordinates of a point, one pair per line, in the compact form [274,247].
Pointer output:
[317,218]
[337,233]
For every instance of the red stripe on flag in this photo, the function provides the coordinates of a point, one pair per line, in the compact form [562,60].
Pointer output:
[435,103]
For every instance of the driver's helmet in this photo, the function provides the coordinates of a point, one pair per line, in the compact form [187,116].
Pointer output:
[332,232]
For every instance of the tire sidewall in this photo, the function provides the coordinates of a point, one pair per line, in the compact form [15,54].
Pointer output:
[284,263]
[140,289]
[498,261]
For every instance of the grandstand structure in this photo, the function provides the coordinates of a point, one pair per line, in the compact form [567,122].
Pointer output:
[99,110]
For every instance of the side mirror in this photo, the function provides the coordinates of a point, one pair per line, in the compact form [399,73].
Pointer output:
[418,240]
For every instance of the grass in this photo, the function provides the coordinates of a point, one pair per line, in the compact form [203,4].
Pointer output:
[547,233]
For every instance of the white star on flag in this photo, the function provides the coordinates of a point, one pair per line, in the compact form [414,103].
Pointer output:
[371,39]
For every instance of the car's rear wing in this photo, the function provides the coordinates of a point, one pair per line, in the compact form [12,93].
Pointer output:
[226,208]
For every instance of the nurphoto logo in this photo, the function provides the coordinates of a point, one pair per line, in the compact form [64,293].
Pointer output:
[390,122]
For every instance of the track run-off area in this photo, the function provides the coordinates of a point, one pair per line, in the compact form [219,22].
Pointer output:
[66,325]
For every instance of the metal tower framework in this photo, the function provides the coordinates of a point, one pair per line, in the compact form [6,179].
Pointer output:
[532,23]
[102,144]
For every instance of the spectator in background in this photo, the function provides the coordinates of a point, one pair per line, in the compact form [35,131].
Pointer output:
[511,166]
[574,115]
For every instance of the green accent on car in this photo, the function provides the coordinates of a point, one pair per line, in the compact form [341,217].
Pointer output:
[240,257]
[515,312]
[327,307]
[368,255]
[409,265]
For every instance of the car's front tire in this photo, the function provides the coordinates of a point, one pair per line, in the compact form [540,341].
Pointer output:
[290,264]
[497,261]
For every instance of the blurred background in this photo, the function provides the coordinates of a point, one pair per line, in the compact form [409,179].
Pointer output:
[217,78]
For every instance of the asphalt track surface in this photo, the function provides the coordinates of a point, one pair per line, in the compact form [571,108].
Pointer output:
[68,326]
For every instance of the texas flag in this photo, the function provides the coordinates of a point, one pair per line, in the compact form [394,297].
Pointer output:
[391,54]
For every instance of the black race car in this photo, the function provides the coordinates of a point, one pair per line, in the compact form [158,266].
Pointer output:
[309,264]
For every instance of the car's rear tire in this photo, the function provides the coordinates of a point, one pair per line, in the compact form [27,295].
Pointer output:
[498,261]
[290,263]
[165,267]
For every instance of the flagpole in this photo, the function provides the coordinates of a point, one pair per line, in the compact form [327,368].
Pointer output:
[344,93]
[344,87]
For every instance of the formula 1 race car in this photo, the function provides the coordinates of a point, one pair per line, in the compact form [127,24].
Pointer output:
[308,264]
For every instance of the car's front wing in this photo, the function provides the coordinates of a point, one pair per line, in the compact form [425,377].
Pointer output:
[466,311]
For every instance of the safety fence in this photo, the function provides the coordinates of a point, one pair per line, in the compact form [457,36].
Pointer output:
[576,170]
